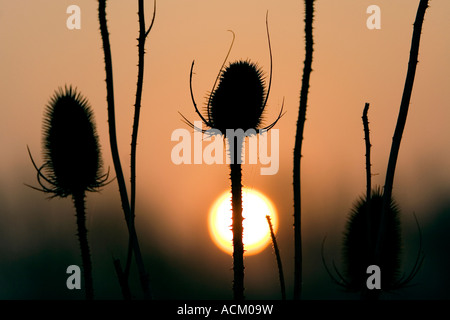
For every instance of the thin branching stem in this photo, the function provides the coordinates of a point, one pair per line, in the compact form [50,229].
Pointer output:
[114,148]
[143,33]
[309,14]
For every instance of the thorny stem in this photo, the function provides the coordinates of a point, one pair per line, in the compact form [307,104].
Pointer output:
[277,254]
[368,145]
[114,149]
[309,14]
[401,120]
[365,120]
[236,202]
[143,33]
[79,203]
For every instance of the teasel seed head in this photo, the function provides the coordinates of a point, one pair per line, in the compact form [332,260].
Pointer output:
[238,100]
[71,151]
[360,239]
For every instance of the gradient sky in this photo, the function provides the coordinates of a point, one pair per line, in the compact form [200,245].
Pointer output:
[352,65]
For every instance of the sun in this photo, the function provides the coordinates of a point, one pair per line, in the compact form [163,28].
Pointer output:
[256,235]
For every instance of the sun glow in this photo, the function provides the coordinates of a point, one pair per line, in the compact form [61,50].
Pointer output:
[256,229]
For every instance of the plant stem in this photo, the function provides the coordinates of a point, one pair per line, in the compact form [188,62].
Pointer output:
[365,120]
[277,254]
[143,33]
[114,149]
[368,145]
[236,202]
[79,203]
[123,280]
[309,13]
[401,120]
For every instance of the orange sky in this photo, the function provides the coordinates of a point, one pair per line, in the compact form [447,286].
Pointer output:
[352,65]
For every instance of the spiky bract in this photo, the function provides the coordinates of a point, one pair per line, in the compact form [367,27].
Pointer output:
[360,239]
[239,99]
[70,145]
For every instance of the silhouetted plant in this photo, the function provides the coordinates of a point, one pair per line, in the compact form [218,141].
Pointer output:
[309,14]
[72,161]
[236,104]
[359,244]
[365,120]
[361,240]
[373,230]
[127,206]
[403,112]
[278,257]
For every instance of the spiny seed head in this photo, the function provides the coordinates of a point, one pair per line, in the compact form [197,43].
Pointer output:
[239,99]
[360,239]
[70,145]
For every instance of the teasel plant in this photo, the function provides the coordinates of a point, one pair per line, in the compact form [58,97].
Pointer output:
[361,240]
[128,205]
[307,69]
[237,104]
[372,235]
[72,162]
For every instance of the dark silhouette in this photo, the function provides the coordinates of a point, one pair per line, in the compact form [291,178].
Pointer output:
[358,248]
[277,255]
[309,14]
[361,240]
[237,103]
[365,120]
[403,112]
[73,162]
[127,206]
[373,234]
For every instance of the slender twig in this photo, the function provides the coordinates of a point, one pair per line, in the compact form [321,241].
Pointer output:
[368,145]
[309,13]
[143,33]
[111,109]
[401,120]
[365,120]
[114,149]
[277,254]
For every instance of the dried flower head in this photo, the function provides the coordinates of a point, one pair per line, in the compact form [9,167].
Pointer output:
[360,241]
[359,247]
[70,146]
[240,98]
